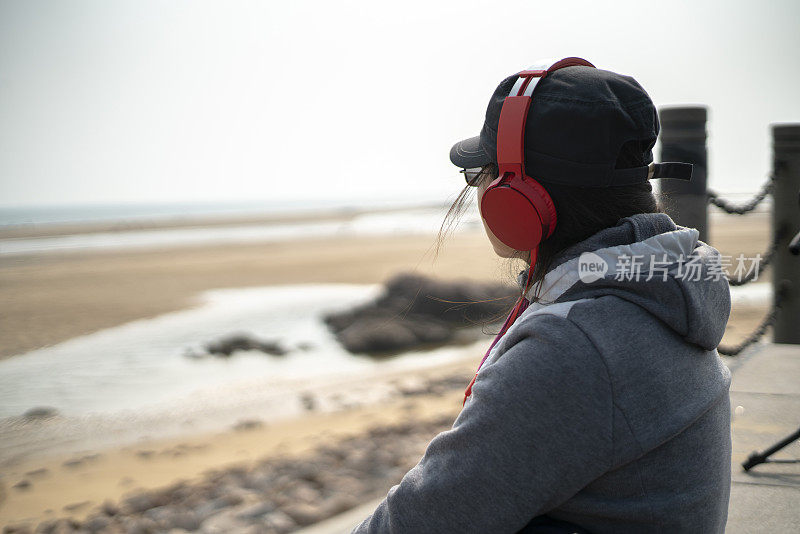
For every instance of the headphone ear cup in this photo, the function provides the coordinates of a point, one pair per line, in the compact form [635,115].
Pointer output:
[539,193]
[519,212]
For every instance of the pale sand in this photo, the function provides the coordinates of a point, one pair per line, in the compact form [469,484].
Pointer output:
[50,298]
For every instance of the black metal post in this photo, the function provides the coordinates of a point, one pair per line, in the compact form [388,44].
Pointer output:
[786,219]
[683,138]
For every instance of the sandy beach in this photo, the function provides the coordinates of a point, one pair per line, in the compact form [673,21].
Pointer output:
[50,298]
[74,485]
[53,297]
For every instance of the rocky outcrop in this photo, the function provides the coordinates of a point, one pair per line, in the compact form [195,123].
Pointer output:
[414,311]
[39,413]
[225,346]
[241,341]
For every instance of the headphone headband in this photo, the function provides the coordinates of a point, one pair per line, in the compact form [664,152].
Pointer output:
[523,86]
[511,128]
[511,135]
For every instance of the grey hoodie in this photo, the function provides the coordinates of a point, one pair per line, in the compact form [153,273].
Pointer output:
[605,406]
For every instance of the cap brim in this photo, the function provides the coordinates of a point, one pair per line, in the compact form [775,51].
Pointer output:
[468,154]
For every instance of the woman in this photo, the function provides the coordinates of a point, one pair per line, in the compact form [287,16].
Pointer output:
[604,406]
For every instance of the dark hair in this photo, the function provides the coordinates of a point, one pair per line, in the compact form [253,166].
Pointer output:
[581,211]
[584,211]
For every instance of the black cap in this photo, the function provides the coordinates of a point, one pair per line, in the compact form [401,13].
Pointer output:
[585,127]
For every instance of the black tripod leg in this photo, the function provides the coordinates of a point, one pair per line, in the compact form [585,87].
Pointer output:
[759,458]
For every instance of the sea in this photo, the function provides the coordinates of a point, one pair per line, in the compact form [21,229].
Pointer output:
[129,226]
[167,211]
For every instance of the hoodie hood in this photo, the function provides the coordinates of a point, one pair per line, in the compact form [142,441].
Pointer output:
[650,261]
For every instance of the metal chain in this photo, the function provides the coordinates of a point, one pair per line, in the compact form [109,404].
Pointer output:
[741,209]
[765,260]
[759,332]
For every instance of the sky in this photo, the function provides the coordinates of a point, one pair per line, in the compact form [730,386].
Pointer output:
[152,101]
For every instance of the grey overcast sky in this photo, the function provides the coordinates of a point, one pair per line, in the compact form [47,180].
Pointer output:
[146,101]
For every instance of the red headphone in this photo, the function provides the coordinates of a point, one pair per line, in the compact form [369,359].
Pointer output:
[516,207]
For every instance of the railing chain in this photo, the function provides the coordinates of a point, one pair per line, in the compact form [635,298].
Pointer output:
[741,209]
[766,259]
[759,332]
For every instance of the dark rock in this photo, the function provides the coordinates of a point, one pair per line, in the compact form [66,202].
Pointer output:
[261,482]
[40,412]
[415,311]
[17,529]
[255,511]
[349,485]
[331,455]
[223,522]
[308,401]
[168,517]
[23,485]
[60,526]
[305,513]
[141,502]
[139,525]
[308,471]
[241,341]
[213,507]
[75,462]
[158,513]
[377,335]
[194,354]
[46,527]
[304,492]
[410,387]
[248,424]
[96,523]
[360,461]
[339,503]
[109,508]
[279,522]
[74,507]
[228,499]
[37,472]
